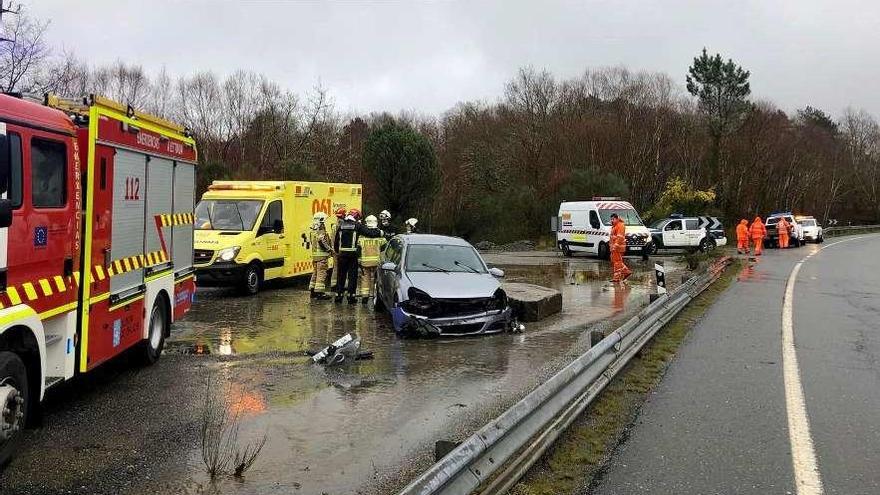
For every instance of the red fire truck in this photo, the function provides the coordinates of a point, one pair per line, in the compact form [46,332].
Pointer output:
[96,253]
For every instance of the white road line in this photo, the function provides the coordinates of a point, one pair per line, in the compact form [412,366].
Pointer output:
[803,454]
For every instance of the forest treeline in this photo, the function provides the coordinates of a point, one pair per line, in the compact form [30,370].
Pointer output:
[505,165]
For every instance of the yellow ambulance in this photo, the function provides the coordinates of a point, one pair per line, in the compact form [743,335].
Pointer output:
[248,232]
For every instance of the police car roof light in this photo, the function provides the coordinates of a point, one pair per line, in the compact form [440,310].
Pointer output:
[606,198]
[676,215]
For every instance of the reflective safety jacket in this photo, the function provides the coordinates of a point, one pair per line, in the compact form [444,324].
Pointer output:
[757,229]
[369,249]
[783,226]
[346,241]
[618,237]
[321,245]
[742,230]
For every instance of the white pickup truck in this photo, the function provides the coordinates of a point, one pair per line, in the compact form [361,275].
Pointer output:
[690,233]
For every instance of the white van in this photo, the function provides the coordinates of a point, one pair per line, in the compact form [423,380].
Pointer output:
[585,226]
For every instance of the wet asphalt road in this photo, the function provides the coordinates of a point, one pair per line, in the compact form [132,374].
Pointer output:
[717,423]
[363,428]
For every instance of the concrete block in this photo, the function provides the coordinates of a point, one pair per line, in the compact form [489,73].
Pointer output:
[532,302]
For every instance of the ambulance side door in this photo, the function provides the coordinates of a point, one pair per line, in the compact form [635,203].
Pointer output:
[270,237]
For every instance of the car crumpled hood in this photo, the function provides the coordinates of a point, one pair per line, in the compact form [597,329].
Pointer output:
[454,285]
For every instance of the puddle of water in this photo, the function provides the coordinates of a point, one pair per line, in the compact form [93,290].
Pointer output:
[352,427]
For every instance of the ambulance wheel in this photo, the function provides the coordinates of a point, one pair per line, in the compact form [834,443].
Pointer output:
[13,403]
[158,328]
[566,251]
[253,278]
[604,253]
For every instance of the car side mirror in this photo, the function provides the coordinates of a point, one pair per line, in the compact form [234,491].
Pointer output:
[278,226]
[5,162]
[389,266]
[496,272]
[5,213]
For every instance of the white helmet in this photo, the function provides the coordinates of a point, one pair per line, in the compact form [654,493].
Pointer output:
[384,215]
[371,222]
[320,217]
[412,222]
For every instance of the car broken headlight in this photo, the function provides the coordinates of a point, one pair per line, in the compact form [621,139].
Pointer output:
[418,302]
[499,300]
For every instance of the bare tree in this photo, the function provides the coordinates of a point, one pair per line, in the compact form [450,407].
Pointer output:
[23,53]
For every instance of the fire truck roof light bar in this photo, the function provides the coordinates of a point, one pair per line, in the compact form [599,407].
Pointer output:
[80,106]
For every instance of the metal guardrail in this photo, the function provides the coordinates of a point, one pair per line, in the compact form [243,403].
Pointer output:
[855,229]
[497,455]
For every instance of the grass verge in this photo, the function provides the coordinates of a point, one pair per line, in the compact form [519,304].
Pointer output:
[583,449]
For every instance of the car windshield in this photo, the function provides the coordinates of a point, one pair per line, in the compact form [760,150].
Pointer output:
[808,223]
[659,224]
[629,216]
[443,258]
[775,220]
[227,214]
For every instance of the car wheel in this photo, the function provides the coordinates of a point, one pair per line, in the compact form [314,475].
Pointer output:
[14,395]
[253,278]
[604,253]
[707,245]
[158,327]
[566,250]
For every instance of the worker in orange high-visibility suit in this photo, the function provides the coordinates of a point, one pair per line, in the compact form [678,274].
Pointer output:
[618,247]
[742,237]
[758,232]
[782,228]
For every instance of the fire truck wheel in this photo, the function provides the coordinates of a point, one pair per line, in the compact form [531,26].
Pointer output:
[253,278]
[13,403]
[158,328]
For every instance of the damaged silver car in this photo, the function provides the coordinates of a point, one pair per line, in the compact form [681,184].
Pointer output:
[440,285]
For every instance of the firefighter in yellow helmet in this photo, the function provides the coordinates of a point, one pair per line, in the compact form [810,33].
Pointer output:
[322,251]
[370,246]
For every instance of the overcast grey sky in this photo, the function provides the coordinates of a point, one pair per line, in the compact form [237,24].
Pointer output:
[426,56]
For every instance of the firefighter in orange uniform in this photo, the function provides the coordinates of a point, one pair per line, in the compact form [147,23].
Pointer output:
[758,232]
[618,247]
[782,228]
[742,237]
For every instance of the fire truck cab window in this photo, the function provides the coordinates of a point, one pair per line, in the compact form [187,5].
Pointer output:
[48,170]
[15,170]
[273,214]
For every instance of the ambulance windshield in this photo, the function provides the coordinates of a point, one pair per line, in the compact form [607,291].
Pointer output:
[629,216]
[227,214]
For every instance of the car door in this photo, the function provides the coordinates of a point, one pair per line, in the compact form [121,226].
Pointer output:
[593,239]
[692,232]
[672,234]
[386,277]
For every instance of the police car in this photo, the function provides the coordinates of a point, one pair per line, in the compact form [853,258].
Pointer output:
[692,233]
[796,238]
